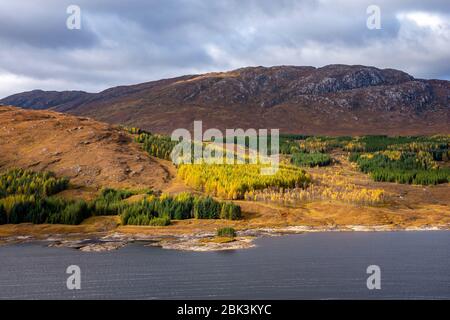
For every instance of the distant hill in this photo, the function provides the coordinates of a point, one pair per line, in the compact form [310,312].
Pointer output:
[40,100]
[332,100]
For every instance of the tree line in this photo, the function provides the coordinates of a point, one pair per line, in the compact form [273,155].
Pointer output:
[27,182]
[160,210]
[18,204]
[159,146]
[406,167]
[310,159]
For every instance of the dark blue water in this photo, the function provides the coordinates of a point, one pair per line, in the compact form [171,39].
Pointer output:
[312,266]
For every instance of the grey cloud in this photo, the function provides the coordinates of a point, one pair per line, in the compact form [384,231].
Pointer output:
[41,25]
[124,42]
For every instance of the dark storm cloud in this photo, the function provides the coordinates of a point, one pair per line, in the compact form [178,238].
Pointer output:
[125,42]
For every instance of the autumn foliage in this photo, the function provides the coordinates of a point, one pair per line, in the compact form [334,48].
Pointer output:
[233,181]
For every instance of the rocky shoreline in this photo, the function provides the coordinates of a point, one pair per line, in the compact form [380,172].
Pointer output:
[195,242]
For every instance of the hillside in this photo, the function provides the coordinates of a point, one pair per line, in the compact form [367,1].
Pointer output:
[95,155]
[332,100]
[90,153]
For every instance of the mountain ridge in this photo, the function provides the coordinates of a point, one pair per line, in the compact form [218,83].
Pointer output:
[334,99]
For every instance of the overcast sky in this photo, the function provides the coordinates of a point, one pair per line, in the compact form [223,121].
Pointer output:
[125,42]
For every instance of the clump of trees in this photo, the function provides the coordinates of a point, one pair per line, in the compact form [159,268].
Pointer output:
[109,202]
[27,196]
[438,144]
[402,167]
[233,181]
[420,177]
[27,182]
[144,213]
[310,159]
[226,232]
[289,146]
[74,212]
[322,144]
[135,130]
[206,208]
[181,206]
[21,208]
[156,145]
[230,211]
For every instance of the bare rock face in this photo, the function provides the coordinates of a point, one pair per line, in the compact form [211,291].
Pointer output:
[310,100]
